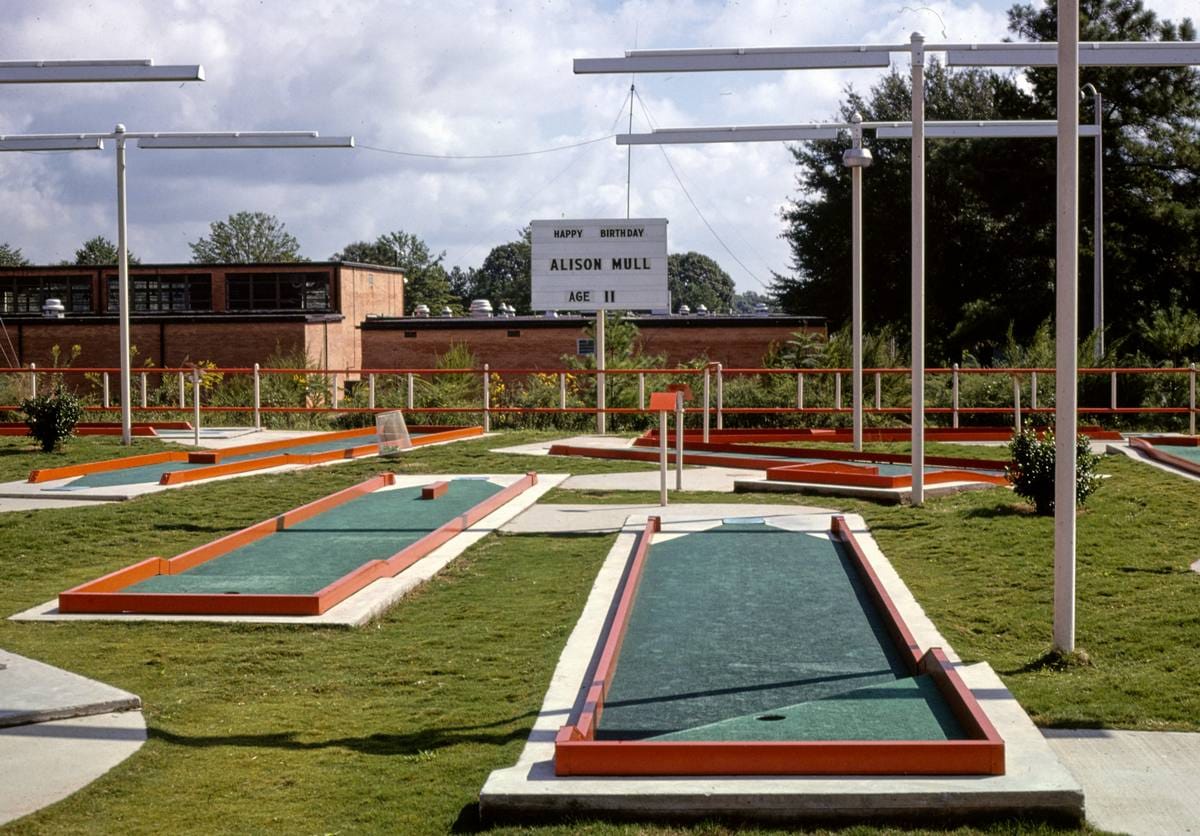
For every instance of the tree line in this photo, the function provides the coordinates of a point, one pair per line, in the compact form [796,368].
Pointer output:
[990,204]
[503,277]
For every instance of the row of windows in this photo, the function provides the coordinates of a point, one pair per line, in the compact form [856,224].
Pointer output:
[25,294]
[244,292]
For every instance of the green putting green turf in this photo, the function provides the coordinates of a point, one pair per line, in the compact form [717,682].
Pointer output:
[152,472]
[738,620]
[309,556]
[907,709]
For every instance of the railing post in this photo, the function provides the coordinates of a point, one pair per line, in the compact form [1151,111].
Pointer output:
[333,399]
[1033,390]
[487,400]
[33,380]
[799,390]
[145,392]
[641,390]
[1016,403]
[104,390]
[371,391]
[707,394]
[411,396]
[1112,397]
[196,406]
[954,395]
[837,390]
[257,397]
[562,390]
[182,391]
[1192,399]
[720,397]
[878,391]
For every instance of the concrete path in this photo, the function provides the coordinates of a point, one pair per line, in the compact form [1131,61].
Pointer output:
[58,732]
[720,479]
[600,519]
[33,692]
[542,448]
[1135,782]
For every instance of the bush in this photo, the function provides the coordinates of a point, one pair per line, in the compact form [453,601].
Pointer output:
[52,418]
[1032,468]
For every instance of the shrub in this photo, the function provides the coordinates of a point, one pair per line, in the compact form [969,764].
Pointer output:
[52,418]
[1032,470]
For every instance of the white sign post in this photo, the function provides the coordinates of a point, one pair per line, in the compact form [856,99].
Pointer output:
[598,264]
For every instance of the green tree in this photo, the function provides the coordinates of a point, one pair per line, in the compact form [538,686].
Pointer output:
[99,251]
[426,280]
[1172,333]
[11,256]
[694,279]
[746,301]
[246,238]
[504,275]
[1151,124]
[990,203]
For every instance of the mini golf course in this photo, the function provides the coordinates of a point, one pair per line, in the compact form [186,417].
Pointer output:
[179,467]
[304,561]
[807,466]
[1178,451]
[749,649]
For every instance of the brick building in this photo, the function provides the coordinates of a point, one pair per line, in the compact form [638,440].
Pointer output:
[528,342]
[231,314]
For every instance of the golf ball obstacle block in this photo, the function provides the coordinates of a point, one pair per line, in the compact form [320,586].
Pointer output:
[112,592]
[579,751]
[1158,448]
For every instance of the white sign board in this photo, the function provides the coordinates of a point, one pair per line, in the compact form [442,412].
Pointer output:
[600,265]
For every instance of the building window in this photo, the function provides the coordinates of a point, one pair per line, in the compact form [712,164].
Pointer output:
[25,294]
[188,292]
[277,291]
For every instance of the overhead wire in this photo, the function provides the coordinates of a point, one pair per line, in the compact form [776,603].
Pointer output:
[570,164]
[422,155]
[696,207]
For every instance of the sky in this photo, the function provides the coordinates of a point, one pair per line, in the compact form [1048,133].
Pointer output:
[448,78]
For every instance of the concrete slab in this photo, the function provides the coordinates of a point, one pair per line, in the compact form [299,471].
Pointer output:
[1036,783]
[46,762]
[1136,782]
[720,479]
[34,692]
[602,519]
[888,496]
[542,448]
[373,600]
[41,504]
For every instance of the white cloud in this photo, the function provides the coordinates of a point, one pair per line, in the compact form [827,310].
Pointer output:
[442,78]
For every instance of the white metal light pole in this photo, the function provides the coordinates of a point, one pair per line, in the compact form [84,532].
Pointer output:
[81,72]
[1066,267]
[918,269]
[1097,220]
[160,140]
[856,158]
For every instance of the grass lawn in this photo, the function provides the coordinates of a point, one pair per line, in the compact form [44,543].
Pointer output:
[394,727]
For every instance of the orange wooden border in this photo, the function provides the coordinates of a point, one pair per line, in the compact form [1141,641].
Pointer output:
[829,454]
[51,473]
[103,596]
[869,477]
[577,752]
[1150,446]
[838,434]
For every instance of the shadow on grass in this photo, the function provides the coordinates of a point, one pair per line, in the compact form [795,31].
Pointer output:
[1053,660]
[1006,510]
[411,744]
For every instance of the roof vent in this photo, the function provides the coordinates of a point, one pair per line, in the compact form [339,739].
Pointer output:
[701,310]
[53,309]
[480,309]
[684,310]
[447,312]
[761,309]
[422,311]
